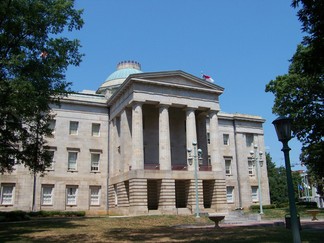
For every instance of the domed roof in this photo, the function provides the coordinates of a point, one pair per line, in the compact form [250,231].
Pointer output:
[122,73]
[124,69]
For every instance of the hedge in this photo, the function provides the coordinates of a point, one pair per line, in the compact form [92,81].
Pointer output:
[22,215]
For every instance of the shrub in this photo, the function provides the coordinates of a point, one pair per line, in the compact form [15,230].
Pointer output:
[57,214]
[307,204]
[257,207]
[282,205]
[13,216]
[21,215]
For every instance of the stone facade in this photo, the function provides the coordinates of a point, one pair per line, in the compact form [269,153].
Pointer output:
[126,151]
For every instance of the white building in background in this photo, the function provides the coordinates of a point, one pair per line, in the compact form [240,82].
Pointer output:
[123,150]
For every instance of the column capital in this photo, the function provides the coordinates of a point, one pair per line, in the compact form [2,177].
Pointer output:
[137,103]
[213,112]
[163,106]
[190,109]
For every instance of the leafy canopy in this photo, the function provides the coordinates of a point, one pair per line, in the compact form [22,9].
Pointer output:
[300,93]
[34,56]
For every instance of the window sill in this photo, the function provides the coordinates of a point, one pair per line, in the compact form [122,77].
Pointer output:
[47,205]
[6,205]
[94,172]
[95,205]
[72,171]
[71,206]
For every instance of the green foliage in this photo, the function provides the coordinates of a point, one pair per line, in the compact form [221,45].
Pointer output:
[33,62]
[278,183]
[22,215]
[257,207]
[306,205]
[57,213]
[300,93]
[13,216]
[311,15]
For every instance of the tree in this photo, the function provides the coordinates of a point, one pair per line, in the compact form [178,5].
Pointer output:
[300,93]
[278,182]
[34,58]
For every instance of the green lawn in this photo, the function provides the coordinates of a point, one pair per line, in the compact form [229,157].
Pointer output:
[145,228]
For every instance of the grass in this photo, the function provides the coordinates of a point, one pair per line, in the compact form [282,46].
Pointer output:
[279,213]
[145,228]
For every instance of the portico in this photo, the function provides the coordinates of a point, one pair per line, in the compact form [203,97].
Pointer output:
[151,129]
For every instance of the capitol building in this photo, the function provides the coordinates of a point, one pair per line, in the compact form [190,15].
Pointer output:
[146,143]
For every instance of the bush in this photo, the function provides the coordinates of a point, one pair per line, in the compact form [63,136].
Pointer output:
[13,216]
[21,215]
[257,207]
[307,204]
[57,214]
[282,205]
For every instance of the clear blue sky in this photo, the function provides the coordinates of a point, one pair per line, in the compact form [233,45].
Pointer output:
[242,45]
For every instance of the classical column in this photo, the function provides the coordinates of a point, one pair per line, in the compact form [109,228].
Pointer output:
[125,139]
[191,131]
[164,139]
[216,161]
[202,136]
[112,148]
[137,137]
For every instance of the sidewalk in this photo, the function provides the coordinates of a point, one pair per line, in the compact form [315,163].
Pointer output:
[305,224]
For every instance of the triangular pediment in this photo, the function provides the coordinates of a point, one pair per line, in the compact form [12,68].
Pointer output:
[156,86]
[178,78]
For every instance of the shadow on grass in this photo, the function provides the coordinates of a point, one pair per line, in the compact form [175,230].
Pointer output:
[207,234]
[18,231]
[104,230]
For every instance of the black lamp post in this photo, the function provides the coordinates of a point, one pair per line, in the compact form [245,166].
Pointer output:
[283,129]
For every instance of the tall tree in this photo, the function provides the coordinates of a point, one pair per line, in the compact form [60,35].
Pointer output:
[278,182]
[300,93]
[34,57]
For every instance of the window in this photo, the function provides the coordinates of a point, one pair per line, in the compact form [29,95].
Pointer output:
[51,166]
[12,160]
[255,193]
[226,139]
[95,132]
[251,167]
[74,125]
[52,125]
[230,194]
[72,161]
[228,169]
[95,158]
[249,138]
[95,195]
[71,195]
[208,137]
[47,194]
[209,160]
[7,194]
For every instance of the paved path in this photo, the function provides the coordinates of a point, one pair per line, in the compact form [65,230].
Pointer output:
[305,224]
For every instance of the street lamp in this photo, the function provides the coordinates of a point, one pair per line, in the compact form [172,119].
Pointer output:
[257,159]
[197,155]
[283,129]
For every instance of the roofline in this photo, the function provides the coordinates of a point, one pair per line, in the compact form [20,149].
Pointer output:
[139,76]
[241,117]
[71,100]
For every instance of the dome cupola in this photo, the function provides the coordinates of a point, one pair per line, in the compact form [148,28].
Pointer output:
[114,80]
